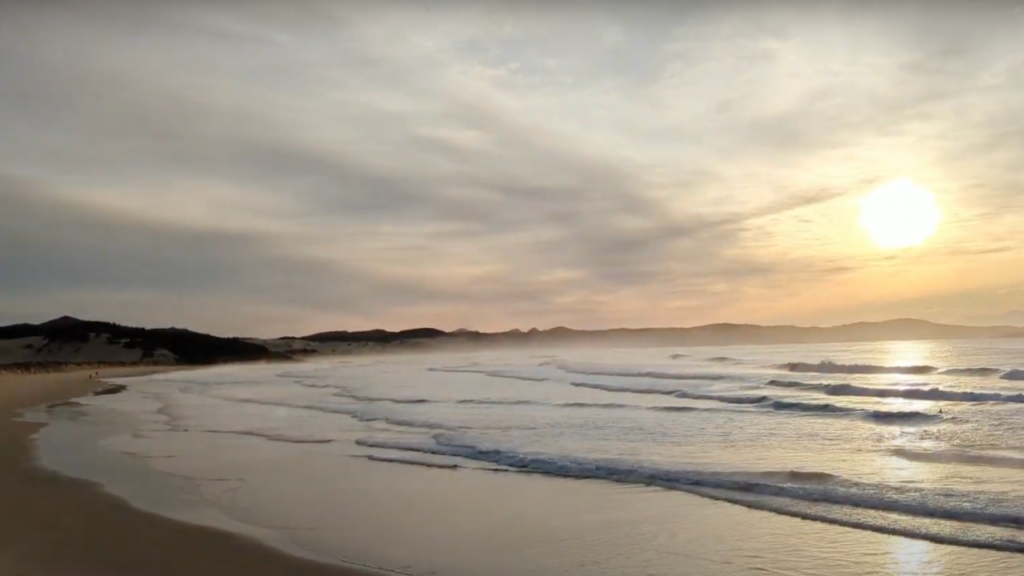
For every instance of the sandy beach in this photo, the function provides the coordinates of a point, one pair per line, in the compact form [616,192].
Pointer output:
[54,525]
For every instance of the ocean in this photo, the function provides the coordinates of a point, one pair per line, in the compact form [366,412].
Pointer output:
[897,458]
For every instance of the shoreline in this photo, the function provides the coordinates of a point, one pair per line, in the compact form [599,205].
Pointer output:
[57,525]
[334,503]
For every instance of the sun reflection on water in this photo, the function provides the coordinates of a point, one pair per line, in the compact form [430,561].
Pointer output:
[910,557]
[914,558]
[914,353]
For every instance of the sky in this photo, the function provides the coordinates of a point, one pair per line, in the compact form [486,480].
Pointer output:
[270,168]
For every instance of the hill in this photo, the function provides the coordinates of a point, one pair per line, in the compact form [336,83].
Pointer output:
[70,340]
[707,335]
[376,336]
[747,334]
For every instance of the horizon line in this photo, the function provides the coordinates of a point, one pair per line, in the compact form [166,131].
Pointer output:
[559,327]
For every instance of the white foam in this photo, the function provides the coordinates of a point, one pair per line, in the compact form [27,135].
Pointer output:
[827,367]
[491,373]
[981,371]
[966,457]
[602,370]
[935,394]
[768,402]
[980,508]
[274,437]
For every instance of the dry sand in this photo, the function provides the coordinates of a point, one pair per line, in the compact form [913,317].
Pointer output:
[53,525]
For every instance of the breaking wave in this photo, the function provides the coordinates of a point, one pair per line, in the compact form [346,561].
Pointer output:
[624,389]
[490,402]
[788,406]
[596,405]
[675,409]
[970,372]
[684,394]
[441,465]
[362,398]
[789,384]
[286,438]
[899,417]
[881,416]
[412,462]
[770,403]
[490,373]
[589,370]
[810,495]
[834,368]
[723,398]
[953,456]
[512,402]
[934,394]
[612,469]
[317,385]
[757,401]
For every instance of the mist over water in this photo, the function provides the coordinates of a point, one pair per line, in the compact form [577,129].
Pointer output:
[919,440]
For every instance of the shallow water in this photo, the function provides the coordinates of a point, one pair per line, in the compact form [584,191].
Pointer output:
[906,456]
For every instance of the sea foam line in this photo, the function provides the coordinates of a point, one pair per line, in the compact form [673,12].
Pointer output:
[502,402]
[980,371]
[590,370]
[767,402]
[273,437]
[828,367]
[773,504]
[954,506]
[490,373]
[935,394]
[966,457]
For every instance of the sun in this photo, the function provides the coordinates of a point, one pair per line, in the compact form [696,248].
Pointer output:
[900,214]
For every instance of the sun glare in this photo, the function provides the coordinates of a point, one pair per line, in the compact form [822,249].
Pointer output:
[900,214]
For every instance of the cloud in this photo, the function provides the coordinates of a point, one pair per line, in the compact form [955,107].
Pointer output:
[53,247]
[491,164]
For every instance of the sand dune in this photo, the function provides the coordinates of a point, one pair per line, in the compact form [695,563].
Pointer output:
[97,349]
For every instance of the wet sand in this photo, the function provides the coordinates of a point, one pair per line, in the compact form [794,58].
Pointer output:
[53,525]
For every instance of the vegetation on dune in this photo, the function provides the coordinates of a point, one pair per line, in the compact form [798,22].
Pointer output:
[187,346]
[376,336]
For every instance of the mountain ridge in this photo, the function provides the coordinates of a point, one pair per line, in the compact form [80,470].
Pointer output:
[66,336]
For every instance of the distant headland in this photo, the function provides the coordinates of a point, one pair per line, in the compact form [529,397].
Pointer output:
[69,342]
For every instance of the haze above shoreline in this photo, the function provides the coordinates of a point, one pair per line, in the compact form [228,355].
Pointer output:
[68,341]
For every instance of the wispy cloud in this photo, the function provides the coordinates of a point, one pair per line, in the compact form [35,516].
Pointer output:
[494,164]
